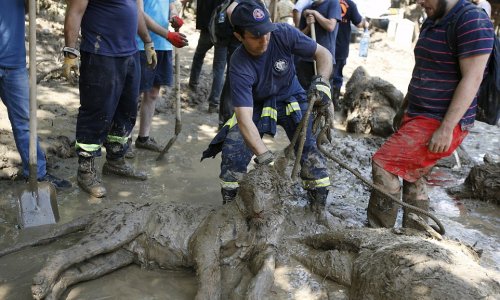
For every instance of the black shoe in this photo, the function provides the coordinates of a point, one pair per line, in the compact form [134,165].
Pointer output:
[60,184]
[228,195]
[213,109]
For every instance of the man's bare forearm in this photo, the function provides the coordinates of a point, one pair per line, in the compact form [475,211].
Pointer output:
[73,20]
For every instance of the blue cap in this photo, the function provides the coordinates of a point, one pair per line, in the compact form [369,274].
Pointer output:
[253,18]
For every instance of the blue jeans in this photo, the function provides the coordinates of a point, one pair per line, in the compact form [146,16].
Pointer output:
[218,66]
[14,92]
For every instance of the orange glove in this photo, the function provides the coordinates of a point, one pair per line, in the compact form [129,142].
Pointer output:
[176,22]
[177,39]
[70,69]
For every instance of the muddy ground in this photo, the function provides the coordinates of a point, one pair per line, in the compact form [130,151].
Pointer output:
[180,177]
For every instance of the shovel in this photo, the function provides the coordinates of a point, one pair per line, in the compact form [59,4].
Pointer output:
[178,123]
[37,204]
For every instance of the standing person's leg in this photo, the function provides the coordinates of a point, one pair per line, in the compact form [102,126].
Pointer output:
[415,194]
[235,158]
[151,81]
[127,78]
[314,173]
[14,92]
[219,66]
[204,44]
[95,115]
[337,80]
[405,154]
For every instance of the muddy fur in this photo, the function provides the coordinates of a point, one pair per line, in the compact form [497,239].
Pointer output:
[483,182]
[384,264]
[240,235]
[370,104]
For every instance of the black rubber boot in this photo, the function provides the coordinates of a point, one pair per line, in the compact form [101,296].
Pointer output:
[122,168]
[87,177]
[422,204]
[228,195]
[382,211]
[317,198]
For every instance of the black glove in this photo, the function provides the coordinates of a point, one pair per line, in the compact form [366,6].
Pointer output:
[321,89]
[264,158]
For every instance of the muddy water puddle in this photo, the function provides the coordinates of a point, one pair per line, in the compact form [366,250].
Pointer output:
[181,177]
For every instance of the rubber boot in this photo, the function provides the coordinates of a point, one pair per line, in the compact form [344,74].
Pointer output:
[336,97]
[382,211]
[87,177]
[122,168]
[317,198]
[228,195]
[422,204]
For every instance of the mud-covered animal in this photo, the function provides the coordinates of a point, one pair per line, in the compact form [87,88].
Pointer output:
[370,104]
[231,248]
[483,182]
[387,264]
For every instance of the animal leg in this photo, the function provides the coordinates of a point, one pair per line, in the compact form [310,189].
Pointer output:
[63,259]
[262,282]
[68,228]
[91,269]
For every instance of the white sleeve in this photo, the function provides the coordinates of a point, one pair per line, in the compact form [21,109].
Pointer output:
[301,4]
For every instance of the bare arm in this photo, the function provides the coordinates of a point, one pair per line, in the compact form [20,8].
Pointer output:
[472,69]
[327,24]
[142,28]
[73,20]
[324,62]
[249,131]
[173,11]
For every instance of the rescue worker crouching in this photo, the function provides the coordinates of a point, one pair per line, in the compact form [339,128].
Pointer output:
[265,93]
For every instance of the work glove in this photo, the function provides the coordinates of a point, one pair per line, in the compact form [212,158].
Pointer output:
[177,39]
[176,23]
[70,69]
[320,89]
[151,57]
[264,158]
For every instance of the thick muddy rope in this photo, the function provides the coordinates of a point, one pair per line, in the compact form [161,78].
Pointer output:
[301,133]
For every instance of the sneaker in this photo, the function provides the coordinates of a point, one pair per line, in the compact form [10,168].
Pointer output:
[213,109]
[149,144]
[59,183]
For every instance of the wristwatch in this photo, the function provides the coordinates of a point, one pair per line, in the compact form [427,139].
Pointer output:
[68,50]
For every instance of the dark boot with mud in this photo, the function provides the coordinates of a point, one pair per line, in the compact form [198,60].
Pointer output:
[228,195]
[415,194]
[87,177]
[382,211]
[317,202]
[122,168]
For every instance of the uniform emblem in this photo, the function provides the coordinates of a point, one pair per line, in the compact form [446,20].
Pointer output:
[281,65]
[258,14]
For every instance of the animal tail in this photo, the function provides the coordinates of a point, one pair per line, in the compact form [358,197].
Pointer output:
[60,231]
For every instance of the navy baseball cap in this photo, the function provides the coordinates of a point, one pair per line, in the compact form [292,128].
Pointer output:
[253,18]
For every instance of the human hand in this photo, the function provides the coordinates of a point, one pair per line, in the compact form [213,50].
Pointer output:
[177,39]
[176,22]
[320,89]
[70,69]
[441,140]
[264,158]
[310,19]
[151,57]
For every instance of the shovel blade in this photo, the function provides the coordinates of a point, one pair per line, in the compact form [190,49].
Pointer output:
[38,206]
